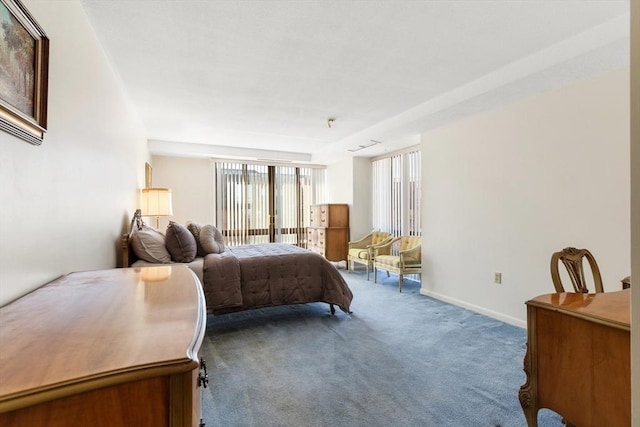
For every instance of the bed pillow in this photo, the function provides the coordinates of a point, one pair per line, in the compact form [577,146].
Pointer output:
[180,243]
[211,239]
[149,245]
[195,228]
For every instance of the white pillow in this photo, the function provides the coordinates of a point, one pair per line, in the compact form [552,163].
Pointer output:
[211,239]
[148,244]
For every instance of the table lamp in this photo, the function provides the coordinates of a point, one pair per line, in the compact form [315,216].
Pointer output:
[156,202]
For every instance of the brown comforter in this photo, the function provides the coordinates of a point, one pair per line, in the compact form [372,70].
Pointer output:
[270,274]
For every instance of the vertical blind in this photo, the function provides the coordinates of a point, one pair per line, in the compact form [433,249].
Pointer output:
[414,191]
[242,208]
[381,194]
[288,208]
[396,201]
[257,203]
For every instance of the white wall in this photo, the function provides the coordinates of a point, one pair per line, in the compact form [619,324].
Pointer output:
[191,183]
[65,203]
[635,209]
[340,181]
[340,187]
[349,181]
[503,190]
[360,212]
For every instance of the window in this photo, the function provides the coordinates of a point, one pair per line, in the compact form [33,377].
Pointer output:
[259,203]
[396,202]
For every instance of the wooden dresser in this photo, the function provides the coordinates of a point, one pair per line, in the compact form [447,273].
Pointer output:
[578,360]
[105,348]
[328,232]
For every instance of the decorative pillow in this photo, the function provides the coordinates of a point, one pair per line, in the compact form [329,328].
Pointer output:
[211,239]
[149,245]
[180,243]
[195,228]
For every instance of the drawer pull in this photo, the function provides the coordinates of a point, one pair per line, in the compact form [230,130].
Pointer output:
[203,376]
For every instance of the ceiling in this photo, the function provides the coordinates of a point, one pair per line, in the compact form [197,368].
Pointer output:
[260,78]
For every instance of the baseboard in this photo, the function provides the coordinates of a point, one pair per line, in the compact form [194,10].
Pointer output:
[493,314]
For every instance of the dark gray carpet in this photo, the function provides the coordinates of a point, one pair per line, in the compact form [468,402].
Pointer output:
[400,359]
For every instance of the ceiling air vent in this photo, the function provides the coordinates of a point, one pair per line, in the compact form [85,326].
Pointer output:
[362,147]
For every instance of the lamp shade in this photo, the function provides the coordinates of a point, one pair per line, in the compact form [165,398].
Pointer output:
[156,202]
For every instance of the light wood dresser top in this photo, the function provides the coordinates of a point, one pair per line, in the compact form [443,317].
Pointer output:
[99,328]
[611,308]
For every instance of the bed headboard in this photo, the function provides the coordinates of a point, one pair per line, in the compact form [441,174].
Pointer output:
[128,256]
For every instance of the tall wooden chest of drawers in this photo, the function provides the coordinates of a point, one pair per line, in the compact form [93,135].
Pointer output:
[328,233]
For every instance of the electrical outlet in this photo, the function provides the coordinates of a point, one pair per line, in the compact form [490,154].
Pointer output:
[497,277]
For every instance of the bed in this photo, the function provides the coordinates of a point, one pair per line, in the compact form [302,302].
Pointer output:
[255,276]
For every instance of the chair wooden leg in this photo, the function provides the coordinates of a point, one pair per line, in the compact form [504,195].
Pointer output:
[400,283]
[375,274]
[368,268]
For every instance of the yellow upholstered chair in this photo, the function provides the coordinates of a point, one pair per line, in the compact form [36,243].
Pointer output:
[401,255]
[572,259]
[360,251]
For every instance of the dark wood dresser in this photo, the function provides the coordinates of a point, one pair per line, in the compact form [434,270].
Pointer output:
[328,231]
[578,360]
[105,348]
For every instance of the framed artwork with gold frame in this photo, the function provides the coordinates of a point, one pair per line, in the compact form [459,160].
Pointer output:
[24,67]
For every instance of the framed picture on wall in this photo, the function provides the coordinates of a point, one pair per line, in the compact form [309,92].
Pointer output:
[147,175]
[24,69]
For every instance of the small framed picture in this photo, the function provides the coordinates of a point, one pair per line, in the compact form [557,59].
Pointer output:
[147,175]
